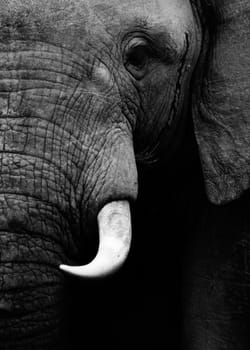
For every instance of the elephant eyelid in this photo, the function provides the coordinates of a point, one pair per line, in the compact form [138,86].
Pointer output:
[159,49]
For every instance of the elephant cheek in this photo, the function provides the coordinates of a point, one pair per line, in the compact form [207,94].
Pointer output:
[113,177]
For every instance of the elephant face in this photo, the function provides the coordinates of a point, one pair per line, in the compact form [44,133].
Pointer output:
[86,89]
[88,78]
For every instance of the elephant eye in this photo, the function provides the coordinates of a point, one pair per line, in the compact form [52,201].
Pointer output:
[138,55]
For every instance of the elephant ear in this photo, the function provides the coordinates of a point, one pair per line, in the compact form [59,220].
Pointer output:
[221,100]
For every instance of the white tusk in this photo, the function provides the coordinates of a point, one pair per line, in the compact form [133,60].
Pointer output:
[114,222]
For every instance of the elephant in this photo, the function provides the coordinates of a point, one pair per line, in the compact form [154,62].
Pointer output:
[107,105]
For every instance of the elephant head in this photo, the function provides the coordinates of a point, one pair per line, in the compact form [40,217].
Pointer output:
[87,89]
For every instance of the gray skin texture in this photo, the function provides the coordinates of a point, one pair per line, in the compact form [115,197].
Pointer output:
[89,90]
[73,101]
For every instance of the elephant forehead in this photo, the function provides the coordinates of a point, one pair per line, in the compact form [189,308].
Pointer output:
[174,15]
[74,20]
[134,7]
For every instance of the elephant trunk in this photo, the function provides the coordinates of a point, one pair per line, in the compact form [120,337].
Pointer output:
[31,293]
[38,209]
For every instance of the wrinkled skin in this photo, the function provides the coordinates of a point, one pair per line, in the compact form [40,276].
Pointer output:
[91,92]
[71,100]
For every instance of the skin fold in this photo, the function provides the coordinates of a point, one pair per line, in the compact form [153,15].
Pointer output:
[95,95]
